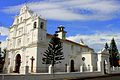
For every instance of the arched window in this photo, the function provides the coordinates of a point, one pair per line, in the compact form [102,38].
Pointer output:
[72,66]
[72,47]
[19,42]
[17,20]
[21,19]
[42,25]
[35,24]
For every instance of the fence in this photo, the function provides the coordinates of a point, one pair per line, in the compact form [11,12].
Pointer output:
[115,69]
[63,69]
[58,74]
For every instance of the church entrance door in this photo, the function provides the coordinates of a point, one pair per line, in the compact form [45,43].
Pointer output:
[17,63]
[105,67]
[72,66]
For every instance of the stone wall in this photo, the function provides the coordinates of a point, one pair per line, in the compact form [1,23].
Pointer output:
[46,76]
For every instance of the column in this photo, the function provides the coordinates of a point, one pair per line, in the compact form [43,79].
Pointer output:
[81,68]
[27,67]
[50,69]
[68,69]
[99,65]
[32,59]
[91,68]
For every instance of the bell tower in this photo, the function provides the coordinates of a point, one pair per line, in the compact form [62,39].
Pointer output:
[61,33]
[27,39]
[42,30]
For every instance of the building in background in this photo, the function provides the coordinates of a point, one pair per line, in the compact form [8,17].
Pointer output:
[28,40]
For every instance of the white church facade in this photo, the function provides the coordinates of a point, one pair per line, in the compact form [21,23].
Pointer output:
[28,40]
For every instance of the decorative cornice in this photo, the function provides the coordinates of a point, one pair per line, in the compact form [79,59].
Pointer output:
[72,56]
[19,36]
[24,21]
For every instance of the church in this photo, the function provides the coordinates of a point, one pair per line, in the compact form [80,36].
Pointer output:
[28,40]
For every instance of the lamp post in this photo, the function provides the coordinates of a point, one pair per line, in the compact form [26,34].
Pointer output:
[32,59]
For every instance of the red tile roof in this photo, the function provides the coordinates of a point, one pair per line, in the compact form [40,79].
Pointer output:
[69,41]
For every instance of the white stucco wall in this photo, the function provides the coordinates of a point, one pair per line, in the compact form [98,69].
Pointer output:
[34,42]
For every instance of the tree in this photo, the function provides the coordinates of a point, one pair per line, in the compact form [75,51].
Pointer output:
[106,46]
[113,51]
[4,53]
[53,55]
[2,59]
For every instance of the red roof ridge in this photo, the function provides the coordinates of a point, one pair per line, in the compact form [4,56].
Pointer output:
[66,40]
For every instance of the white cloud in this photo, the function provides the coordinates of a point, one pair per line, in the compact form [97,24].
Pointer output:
[72,9]
[97,41]
[4,31]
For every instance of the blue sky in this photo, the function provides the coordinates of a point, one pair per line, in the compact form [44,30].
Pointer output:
[93,21]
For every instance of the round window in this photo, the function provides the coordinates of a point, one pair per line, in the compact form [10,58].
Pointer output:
[83,58]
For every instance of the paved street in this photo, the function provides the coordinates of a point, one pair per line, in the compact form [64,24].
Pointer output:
[106,77]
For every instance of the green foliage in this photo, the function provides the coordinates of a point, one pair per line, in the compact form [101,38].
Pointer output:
[2,59]
[106,46]
[113,54]
[53,55]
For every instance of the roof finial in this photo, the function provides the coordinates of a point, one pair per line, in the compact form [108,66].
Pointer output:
[81,41]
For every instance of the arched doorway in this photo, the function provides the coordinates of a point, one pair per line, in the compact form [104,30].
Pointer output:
[17,63]
[72,66]
[105,66]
